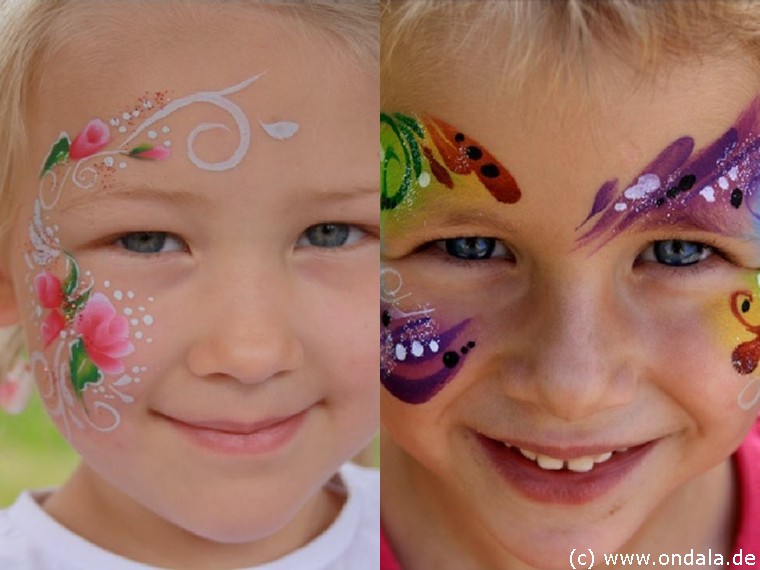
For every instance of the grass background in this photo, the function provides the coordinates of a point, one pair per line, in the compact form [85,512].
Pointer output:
[32,452]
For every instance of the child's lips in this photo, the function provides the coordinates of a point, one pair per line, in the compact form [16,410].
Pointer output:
[569,475]
[240,437]
[232,427]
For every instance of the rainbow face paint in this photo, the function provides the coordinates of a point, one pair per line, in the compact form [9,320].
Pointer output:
[746,355]
[88,330]
[446,151]
[427,163]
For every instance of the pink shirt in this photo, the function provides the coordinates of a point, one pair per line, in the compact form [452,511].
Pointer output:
[748,471]
[747,539]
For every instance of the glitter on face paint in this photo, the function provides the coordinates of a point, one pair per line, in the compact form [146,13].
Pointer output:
[683,186]
[746,356]
[416,357]
[415,379]
[417,150]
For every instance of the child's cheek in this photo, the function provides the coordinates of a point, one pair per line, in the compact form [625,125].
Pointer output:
[421,348]
[86,338]
[738,319]
[428,165]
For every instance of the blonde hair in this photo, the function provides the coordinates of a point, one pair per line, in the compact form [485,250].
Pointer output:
[28,29]
[559,39]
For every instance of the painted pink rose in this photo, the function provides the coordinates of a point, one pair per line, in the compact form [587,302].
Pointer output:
[105,334]
[152,153]
[49,290]
[94,137]
[51,327]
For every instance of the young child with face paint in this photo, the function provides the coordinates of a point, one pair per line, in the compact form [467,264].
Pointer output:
[189,233]
[570,319]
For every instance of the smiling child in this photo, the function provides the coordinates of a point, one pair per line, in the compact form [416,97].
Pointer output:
[570,320]
[189,238]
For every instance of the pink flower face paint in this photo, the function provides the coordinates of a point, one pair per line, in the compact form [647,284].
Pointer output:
[714,189]
[427,162]
[90,331]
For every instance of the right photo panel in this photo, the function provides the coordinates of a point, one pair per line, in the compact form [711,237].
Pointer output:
[570,277]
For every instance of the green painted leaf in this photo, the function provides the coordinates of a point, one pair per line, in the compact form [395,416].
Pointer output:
[70,285]
[59,154]
[410,123]
[83,370]
[400,160]
[141,148]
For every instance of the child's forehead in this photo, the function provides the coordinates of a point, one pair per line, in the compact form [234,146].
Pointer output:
[86,74]
[614,132]
[89,50]
[232,92]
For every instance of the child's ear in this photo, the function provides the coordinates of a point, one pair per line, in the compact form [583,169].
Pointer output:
[9,310]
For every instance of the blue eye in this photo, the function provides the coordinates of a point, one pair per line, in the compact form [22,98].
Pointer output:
[676,252]
[330,235]
[473,248]
[150,242]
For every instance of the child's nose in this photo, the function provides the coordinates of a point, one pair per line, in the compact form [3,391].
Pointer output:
[247,333]
[578,356]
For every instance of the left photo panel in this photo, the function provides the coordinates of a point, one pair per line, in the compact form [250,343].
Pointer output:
[189,269]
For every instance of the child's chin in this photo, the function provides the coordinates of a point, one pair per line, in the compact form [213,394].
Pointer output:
[244,528]
[553,550]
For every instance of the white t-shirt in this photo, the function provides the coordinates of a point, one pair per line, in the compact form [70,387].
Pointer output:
[31,540]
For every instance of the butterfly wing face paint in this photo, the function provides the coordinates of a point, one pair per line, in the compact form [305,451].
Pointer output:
[427,161]
[746,356]
[463,155]
[416,151]
[714,190]
[417,357]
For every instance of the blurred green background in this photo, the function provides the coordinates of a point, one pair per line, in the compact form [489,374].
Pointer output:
[33,455]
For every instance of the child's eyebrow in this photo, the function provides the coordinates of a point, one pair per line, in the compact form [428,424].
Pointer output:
[448,218]
[145,193]
[344,193]
[710,190]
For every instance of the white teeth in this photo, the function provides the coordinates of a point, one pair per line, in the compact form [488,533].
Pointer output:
[578,464]
[529,454]
[551,463]
[602,457]
[581,464]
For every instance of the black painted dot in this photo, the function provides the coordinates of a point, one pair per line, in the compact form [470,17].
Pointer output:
[385,318]
[459,137]
[686,182]
[450,359]
[736,198]
[659,202]
[672,192]
[473,153]
[745,306]
[464,350]
[489,170]
[471,344]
